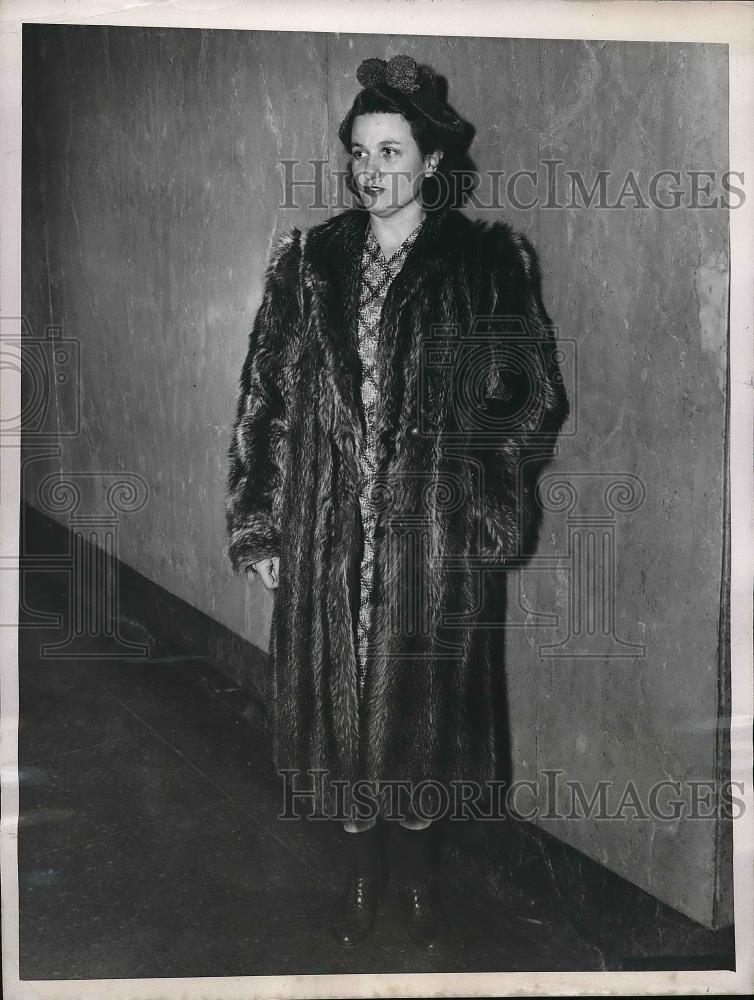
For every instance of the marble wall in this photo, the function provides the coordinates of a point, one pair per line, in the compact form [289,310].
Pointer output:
[152,192]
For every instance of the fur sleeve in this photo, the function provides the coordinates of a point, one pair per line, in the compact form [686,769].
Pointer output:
[258,444]
[524,399]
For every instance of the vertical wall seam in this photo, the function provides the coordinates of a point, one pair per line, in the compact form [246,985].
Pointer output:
[538,591]
[328,117]
[723,719]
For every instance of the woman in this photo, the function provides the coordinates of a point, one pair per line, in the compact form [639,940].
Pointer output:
[399,394]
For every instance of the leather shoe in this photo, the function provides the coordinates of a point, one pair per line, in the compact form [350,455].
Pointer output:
[358,908]
[427,923]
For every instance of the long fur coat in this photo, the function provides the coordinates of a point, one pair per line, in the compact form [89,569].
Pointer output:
[471,400]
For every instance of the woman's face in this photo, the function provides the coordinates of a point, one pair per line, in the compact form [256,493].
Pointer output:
[387,166]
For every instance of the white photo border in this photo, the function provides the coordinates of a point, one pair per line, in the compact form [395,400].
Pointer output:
[707,21]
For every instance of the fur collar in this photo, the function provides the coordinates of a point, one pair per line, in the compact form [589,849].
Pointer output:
[332,269]
[334,251]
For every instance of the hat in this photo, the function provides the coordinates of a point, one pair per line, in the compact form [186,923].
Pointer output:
[402,79]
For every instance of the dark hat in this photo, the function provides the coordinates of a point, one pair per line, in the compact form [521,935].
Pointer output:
[406,82]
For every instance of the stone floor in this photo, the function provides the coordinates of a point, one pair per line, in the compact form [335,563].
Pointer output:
[149,846]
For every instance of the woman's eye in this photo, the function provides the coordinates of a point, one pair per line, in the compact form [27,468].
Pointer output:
[357,154]
[390,152]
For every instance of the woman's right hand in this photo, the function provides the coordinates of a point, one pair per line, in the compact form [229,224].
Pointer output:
[268,571]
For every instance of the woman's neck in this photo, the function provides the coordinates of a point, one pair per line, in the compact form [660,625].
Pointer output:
[391,231]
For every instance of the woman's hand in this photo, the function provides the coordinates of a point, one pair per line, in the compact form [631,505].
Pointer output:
[268,571]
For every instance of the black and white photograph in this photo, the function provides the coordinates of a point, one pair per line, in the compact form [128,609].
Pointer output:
[376,444]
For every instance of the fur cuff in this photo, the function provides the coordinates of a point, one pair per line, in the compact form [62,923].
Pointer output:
[258,537]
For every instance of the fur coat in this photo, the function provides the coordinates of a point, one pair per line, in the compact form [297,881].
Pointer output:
[471,401]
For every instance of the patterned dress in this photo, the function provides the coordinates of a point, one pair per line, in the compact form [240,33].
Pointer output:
[377,273]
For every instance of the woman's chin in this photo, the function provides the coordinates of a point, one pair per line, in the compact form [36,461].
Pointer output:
[383,205]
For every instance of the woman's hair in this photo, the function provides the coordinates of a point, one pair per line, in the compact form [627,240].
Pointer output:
[368,102]
[433,123]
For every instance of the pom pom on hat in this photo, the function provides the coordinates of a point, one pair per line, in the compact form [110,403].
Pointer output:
[371,72]
[417,83]
[403,74]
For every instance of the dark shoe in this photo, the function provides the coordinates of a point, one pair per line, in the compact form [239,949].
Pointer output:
[427,923]
[358,908]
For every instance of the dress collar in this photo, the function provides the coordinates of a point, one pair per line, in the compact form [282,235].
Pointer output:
[373,248]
